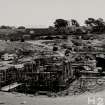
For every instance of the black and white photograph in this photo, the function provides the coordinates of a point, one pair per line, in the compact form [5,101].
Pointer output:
[52,52]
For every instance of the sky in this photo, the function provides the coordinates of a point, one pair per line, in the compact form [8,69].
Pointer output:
[43,13]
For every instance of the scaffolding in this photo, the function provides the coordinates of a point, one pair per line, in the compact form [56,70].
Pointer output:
[47,70]
[9,74]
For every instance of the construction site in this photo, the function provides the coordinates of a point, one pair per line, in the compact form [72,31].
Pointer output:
[53,67]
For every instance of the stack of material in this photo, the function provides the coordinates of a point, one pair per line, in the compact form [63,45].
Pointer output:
[48,68]
[8,75]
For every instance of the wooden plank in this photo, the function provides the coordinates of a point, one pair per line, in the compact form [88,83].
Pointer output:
[91,72]
[11,86]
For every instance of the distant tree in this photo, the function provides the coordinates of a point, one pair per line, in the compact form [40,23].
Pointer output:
[90,22]
[73,25]
[21,27]
[60,25]
[96,25]
[91,19]
[5,27]
[91,25]
[74,22]
[100,25]
[86,22]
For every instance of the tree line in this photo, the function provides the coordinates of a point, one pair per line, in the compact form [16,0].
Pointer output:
[60,26]
[91,25]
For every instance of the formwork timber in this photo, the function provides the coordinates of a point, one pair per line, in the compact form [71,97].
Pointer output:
[46,71]
[10,87]
[43,71]
[9,74]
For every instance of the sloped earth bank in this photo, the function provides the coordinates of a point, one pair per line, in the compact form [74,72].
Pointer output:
[77,88]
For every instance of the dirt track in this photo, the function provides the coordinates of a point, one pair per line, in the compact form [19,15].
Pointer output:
[20,99]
